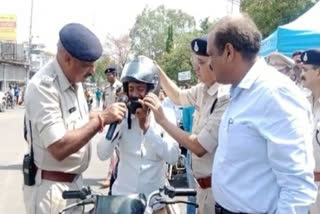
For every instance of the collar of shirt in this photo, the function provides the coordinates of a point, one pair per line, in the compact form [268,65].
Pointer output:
[64,82]
[212,90]
[249,79]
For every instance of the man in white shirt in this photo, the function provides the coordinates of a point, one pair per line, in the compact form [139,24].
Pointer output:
[143,146]
[264,161]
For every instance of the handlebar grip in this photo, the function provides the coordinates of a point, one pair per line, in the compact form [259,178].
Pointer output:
[72,194]
[172,192]
[185,192]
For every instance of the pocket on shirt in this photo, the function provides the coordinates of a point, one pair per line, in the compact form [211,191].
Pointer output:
[243,143]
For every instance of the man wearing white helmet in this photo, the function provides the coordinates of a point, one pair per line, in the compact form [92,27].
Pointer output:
[143,146]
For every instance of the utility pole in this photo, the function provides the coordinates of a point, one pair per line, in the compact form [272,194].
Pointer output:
[234,4]
[30,44]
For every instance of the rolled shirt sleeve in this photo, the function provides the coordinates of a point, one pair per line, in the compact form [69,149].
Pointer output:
[43,107]
[188,97]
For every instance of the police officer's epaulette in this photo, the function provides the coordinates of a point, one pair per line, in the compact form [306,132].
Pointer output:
[47,81]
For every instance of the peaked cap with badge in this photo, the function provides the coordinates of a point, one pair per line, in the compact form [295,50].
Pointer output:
[111,70]
[80,42]
[311,56]
[199,46]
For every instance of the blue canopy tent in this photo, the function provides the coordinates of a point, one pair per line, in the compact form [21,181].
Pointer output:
[301,34]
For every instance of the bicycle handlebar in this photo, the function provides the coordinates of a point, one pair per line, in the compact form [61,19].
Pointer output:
[172,192]
[78,194]
[88,198]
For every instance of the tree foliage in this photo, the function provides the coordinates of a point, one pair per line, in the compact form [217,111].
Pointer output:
[101,65]
[179,58]
[161,34]
[269,14]
[169,42]
[150,31]
[118,49]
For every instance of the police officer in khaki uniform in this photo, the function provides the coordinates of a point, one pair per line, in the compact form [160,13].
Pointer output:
[109,95]
[210,100]
[311,79]
[59,120]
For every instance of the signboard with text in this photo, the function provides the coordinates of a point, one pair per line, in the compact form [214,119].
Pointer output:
[8,27]
[185,75]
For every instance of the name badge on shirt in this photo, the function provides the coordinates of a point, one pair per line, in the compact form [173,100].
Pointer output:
[73,109]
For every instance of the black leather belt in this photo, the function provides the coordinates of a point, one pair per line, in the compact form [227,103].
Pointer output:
[220,210]
[57,176]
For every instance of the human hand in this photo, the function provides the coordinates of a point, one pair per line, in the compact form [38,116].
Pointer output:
[142,116]
[154,103]
[114,112]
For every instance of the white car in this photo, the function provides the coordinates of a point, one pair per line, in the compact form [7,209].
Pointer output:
[3,101]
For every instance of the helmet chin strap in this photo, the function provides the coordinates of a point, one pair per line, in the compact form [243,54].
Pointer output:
[129,120]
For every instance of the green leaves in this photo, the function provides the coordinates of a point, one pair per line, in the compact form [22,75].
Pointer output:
[269,14]
[99,77]
[150,32]
[165,35]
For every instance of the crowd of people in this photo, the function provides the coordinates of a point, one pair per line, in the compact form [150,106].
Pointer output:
[250,123]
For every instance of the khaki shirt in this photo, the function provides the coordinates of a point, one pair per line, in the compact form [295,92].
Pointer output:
[110,93]
[54,107]
[206,124]
[316,135]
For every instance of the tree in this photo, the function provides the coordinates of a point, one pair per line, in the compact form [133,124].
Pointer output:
[118,49]
[269,14]
[169,42]
[101,65]
[206,25]
[150,31]
[179,58]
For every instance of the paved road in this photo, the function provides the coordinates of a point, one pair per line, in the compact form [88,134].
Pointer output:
[13,147]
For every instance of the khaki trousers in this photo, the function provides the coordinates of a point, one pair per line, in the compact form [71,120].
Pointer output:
[205,200]
[45,197]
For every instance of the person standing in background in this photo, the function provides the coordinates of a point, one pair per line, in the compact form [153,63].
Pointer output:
[310,77]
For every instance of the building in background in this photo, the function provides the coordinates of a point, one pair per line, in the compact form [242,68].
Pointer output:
[39,57]
[14,61]
[13,64]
